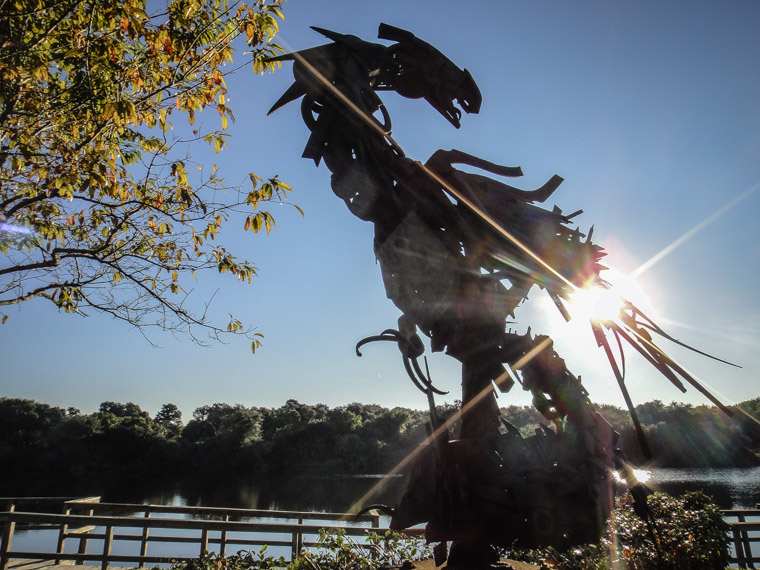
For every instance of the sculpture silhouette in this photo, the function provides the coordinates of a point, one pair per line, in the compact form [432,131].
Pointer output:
[458,253]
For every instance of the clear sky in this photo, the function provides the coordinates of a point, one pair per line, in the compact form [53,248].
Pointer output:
[649,110]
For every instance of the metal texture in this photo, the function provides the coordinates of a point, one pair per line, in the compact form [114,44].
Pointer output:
[458,252]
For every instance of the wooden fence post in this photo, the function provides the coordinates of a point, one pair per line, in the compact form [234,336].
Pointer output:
[204,541]
[297,542]
[7,542]
[223,538]
[107,547]
[83,540]
[62,536]
[144,539]
[746,546]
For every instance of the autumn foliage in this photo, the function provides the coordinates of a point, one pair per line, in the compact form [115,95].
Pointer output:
[100,206]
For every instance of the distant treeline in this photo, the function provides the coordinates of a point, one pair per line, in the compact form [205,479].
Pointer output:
[47,448]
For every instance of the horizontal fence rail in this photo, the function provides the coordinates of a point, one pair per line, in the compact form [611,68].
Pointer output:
[743,534]
[111,523]
[87,519]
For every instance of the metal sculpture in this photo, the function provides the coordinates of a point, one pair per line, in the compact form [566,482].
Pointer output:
[458,252]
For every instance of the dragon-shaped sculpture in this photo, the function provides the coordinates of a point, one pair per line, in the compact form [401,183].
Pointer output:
[458,252]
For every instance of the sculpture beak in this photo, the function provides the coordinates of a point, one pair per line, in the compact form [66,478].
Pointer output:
[465,96]
[468,95]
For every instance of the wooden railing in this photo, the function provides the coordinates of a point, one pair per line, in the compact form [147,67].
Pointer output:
[743,534]
[111,523]
[88,519]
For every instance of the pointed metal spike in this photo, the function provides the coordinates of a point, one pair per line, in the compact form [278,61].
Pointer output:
[283,57]
[337,37]
[691,380]
[642,349]
[329,34]
[643,443]
[392,33]
[292,93]
[655,328]
[620,348]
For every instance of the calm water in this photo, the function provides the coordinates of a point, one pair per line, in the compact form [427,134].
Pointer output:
[307,493]
[729,488]
[321,493]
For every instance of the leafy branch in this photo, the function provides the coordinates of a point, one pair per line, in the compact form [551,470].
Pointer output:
[96,211]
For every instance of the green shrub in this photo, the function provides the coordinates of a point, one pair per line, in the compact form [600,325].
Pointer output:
[243,560]
[336,551]
[690,534]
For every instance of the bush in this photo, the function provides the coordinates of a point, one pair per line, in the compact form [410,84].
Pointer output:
[336,551]
[690,534]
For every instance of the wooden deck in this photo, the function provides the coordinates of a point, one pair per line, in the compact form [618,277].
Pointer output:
[88,522]
[744,535]
[21,564]
[127,535]
[47,565]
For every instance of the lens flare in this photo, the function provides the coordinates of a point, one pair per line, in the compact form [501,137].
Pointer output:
[596,303]
[603,304]
[641,476]
[12,228]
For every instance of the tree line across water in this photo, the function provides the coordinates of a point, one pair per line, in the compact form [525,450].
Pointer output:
[43,446]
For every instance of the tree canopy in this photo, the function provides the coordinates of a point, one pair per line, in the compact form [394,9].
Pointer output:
[44,443]
[100,205]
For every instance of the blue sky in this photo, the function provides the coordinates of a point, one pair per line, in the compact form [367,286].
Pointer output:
[649,110]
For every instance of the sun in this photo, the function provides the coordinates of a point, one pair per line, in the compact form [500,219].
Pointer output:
[604,304]
[574,339]
[596,303]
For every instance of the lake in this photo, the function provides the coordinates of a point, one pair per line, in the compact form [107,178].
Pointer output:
[730,488]
[737,488]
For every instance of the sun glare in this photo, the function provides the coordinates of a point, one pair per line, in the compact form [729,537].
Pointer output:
[641,475]
[604,304]
[575,339]
[595,303]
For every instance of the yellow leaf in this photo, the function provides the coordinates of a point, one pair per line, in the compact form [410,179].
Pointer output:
[108,111]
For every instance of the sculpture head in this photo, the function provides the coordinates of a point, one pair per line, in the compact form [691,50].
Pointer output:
[415,69]
[411,67]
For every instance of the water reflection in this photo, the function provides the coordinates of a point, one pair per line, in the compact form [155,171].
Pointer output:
[309,492]
[729,488]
